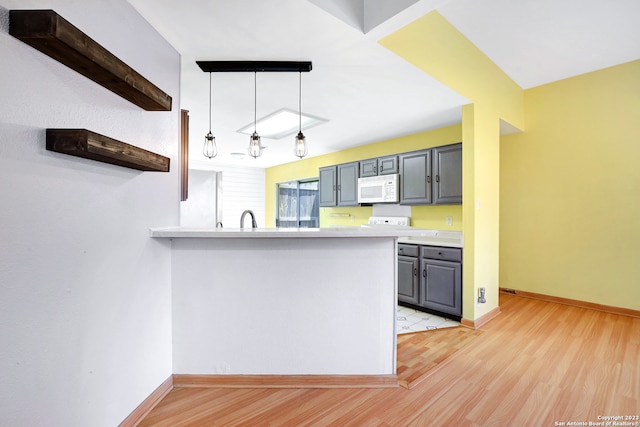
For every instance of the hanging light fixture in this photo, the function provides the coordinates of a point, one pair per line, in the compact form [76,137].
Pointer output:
[210,150]
[255,148]
[300,148]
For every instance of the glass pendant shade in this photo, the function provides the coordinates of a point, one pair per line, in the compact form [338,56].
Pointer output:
[255,147]
[300,149]
[210,149]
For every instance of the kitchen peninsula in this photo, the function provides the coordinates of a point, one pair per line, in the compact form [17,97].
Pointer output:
[284,301]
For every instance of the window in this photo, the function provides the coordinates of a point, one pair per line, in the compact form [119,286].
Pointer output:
[298,204]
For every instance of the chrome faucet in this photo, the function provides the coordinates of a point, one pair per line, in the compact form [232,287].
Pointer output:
[254,224]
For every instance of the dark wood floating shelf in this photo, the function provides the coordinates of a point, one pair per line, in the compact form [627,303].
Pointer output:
[254,66]
[90,145]
[52,35]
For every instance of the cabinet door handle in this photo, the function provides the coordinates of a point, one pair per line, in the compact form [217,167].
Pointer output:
[440,253]
[338,188]
[437,178]
[415,272]
[428,179]
[424,273]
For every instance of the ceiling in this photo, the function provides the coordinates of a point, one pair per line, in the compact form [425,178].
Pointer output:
[367,93]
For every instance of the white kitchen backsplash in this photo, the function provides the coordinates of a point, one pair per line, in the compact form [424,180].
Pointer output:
[391,210]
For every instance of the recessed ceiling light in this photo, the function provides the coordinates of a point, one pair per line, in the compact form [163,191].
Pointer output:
[281,123]
[238,155]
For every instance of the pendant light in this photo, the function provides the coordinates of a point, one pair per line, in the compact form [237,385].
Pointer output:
[255,148]
[210,150]
[300,148]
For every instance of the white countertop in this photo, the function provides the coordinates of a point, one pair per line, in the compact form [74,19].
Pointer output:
[412,235]
[294,233]
[452,239]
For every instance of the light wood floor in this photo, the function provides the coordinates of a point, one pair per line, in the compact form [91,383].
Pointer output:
[536,364]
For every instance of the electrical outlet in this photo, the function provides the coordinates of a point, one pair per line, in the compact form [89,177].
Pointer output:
[449,220]
[481,296]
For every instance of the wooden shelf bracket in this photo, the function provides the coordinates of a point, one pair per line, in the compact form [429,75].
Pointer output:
[90,145]
[52,35]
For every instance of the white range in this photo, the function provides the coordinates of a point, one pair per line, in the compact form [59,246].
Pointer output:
[447,238]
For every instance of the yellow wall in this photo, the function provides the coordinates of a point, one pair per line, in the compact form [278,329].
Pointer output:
[570,190]
[435,46]
[481,167]
[422,216]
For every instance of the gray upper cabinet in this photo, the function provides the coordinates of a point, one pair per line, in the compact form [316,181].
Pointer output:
[447,172]
[415,178]
[328,186]
[348,174]
[427,177]
[432,176]
[339,185]
[387,165]
[380,166]
[368,167]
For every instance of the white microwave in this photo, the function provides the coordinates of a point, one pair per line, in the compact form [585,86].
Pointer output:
[379,189]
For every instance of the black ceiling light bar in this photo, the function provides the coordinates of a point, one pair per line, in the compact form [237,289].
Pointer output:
[254,66]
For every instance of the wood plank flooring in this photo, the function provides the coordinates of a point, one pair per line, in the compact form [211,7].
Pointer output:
[537,364]
[420,354]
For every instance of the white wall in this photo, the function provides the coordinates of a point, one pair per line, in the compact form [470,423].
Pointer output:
[242,189]
[85,308]
[284,306]
[201,207]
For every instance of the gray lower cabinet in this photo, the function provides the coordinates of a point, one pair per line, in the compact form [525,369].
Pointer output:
[339,185]
[441,286]
[430,277]
[408,274]
[408,283]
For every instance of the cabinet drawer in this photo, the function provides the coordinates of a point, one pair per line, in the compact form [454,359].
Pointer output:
[408,250]
[436,252]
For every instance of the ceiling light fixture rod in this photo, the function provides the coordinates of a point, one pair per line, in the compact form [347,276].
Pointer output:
[210,150]
[254,66]
[299,102]
[255,146]
[300,148]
